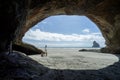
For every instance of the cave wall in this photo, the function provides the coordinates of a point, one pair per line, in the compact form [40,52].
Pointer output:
[12,16]
[25,14]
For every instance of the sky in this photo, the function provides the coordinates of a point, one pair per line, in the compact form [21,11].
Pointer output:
[64,31]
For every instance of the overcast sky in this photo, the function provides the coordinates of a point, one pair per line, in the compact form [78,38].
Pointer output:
[64,31]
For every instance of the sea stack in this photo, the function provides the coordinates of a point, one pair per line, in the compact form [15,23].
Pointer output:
[95,44]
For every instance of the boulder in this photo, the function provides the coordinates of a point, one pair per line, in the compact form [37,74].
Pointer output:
[28,49]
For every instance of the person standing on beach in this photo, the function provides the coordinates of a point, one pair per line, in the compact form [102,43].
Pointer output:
[46,50]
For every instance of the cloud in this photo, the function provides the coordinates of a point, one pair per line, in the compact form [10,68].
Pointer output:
[44,22]
[97,33]
[40,38]
[37,34]
[86,30]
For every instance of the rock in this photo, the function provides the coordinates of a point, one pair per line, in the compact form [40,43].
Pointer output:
[83,50]
[95,44]
[89,50]
[108,50]
[27,48]
[18,66]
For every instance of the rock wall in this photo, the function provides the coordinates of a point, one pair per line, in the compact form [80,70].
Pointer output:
[12,16]
[20,16]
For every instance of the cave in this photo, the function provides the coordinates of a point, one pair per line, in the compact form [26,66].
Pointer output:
[18,16]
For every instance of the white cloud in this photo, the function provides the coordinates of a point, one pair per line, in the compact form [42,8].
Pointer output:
[44,22]
[47,36]
[40,38]
[96,33]
[86,30]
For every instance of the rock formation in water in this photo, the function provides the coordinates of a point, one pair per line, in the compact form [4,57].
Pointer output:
[18,16]
[95,44]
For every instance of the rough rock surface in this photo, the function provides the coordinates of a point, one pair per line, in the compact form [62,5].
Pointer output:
[18,66]
[28,49]
[18,16]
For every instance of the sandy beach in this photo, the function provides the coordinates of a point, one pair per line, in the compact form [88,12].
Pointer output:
[71,58]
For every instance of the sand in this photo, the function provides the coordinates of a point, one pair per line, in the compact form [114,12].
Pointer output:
[71,58]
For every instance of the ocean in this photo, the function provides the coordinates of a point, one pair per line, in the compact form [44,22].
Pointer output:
[67,49]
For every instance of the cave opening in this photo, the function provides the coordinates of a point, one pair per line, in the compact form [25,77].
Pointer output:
[70,31]
[64,36]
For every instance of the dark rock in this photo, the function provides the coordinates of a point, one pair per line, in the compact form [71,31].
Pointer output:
[83,50]
[27,48]
[89,50]
[108,50]
[18,66]
[95,44]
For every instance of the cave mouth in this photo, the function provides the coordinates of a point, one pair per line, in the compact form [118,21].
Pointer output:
[64,35]
[64,31]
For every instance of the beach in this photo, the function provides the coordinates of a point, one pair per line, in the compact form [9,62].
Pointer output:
[61,64]
[72,58]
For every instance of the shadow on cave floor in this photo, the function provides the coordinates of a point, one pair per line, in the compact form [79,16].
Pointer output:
[21,67]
